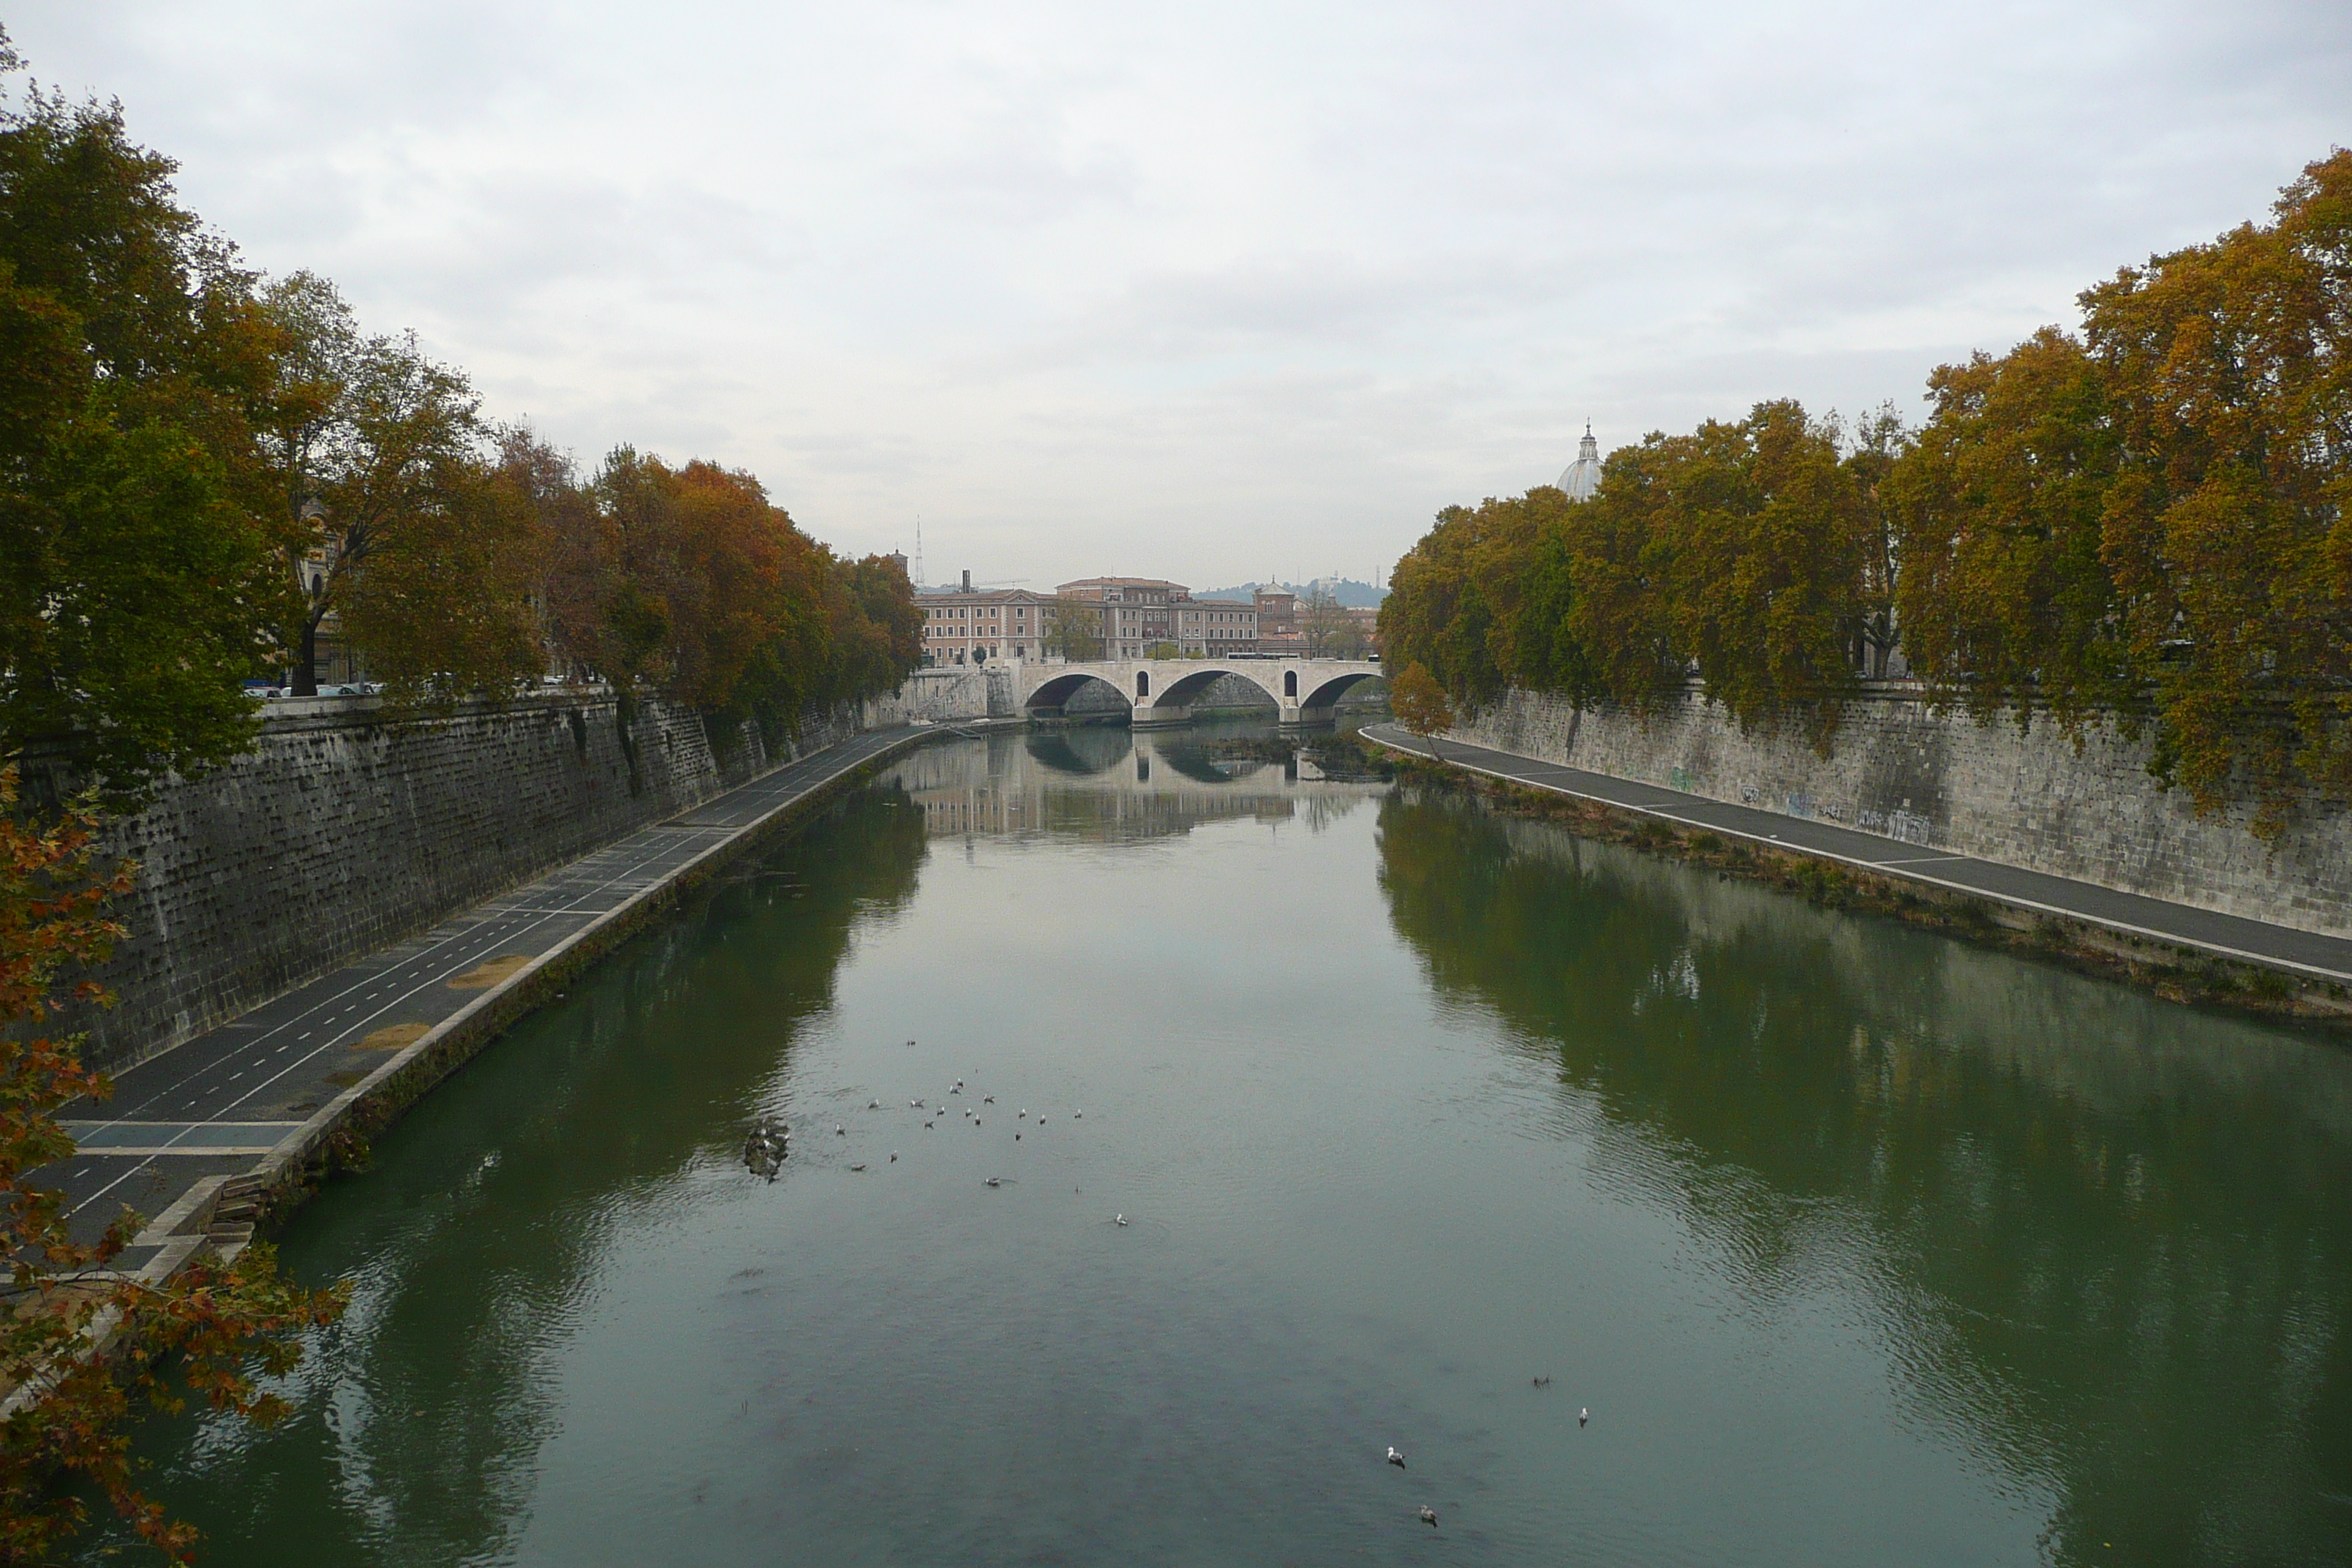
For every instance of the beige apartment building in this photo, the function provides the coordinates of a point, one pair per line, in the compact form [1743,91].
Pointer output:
[1207,628]
[971,625]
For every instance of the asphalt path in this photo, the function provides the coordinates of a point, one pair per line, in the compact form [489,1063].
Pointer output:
[2183,925]
[222,1103]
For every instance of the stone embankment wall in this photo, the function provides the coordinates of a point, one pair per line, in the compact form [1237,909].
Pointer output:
[2025,796]
[950,694]
[342,831]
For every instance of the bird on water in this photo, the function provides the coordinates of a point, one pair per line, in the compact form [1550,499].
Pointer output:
[1429,1517]
[1120,1219]
[1583,1414]
[1394,1458]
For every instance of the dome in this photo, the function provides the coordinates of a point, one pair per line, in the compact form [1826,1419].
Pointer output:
[1582,478]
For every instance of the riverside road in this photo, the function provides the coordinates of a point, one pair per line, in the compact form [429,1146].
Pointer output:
[2234,936]
[225,1101]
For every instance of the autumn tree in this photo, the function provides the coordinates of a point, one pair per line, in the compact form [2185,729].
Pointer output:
[1073,629]
[1325,623]
[135,591]
[376,451]
[2227,374]
[1758,529]
[213,1330]
[446,605]
[1420,705]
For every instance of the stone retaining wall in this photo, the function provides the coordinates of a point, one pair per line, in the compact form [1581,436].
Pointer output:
[2025,796]
[342,831]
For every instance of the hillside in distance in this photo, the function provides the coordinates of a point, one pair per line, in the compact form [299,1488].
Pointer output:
[1346,590]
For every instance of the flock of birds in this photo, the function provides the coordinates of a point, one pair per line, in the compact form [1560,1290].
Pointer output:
[1428,1515]
[769,1145]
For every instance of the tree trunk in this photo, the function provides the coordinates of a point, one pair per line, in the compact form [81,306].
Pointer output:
[306,661]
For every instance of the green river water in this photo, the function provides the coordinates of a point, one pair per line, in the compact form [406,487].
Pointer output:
[1860,1246]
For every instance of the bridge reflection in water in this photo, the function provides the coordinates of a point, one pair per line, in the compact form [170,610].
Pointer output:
[1106,782]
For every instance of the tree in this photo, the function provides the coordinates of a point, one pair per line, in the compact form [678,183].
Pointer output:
[135,595]
[1759,527]
[446,603]
[374,448]
[1880,440]
[1073,629]
[1420,705]
[1324,622]
[210,1330]
[2228,527]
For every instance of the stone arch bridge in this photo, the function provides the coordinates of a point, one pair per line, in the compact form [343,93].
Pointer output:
[1162,690]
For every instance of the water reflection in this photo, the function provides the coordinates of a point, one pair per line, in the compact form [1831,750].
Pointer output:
[1405,1108]
[2107,1235]
[1109,784]
[420,1418]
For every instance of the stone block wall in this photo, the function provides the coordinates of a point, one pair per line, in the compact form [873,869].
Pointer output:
[2025,796]
[341,832]
[948,693]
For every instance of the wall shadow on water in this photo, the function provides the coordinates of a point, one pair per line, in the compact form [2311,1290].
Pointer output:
[2106,1238]
[531,1161]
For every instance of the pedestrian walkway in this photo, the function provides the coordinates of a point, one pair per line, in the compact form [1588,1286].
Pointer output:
[2232,936]
[252,1097]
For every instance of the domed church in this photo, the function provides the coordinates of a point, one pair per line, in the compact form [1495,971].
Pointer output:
[1582,477]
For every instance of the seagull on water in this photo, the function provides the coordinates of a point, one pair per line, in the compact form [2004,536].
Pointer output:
[1543,1381]
[873,1105]
[1582,1416]
[1429,1517]
[988,1099]
[1077,1115]
[894,1156]
[914,1105]
[841,1133]
[1394,1458]
[1119,1219]
[994,1182]
[858,1167]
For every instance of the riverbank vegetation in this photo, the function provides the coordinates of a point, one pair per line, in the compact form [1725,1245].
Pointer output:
[2146,517]
[207,476]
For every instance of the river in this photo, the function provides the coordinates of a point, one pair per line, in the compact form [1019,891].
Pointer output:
[1859,1245]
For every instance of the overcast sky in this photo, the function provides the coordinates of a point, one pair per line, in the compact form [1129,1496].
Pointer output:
[1210,292]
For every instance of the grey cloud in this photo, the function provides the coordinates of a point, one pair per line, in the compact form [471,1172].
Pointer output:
[1231,278]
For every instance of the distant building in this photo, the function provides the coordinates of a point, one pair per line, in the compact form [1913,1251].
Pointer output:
[973,625]
[1278,622]
[1582,479]
[1136,612]
[1208,627]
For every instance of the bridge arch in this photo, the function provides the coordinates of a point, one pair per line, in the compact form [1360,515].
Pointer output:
[1336,687]
[1186,689]
[1056,693]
